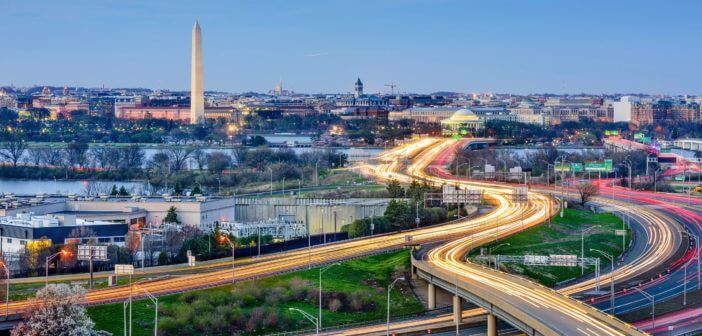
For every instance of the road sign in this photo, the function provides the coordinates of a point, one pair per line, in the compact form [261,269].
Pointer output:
[576,167]
[563,260]
[535,260]
[124,269]
[92,252]
[191,261]
[561,167]
[620,232]
[638,136]
[605,166]
[611,132]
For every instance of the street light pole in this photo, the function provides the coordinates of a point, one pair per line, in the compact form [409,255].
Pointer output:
[7,288]
[611,283]
[492,249]
[155,301]
[308,316]
[387,331]
[321,271]
[48,260]
[224,238]
[652,298]
[582,247]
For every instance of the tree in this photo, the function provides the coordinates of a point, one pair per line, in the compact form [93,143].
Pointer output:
[57,311]
[177,189]
[113,191]
[132,156]
[179,156]
[14,147]
[171,216]
[218,161]
[200,158]
[123,191]
[197,190]
[399,213]
[395,189]
[587,190]
[76,154]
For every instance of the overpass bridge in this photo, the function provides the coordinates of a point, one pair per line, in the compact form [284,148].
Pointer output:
[528,306]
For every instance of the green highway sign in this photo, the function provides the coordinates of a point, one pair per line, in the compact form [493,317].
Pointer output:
[576,167]
[611,132]
[605,166]
[561,167]
[665,150]
[646,140]
[638,136]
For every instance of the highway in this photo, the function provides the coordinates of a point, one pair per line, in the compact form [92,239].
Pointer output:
[303,258]
[507,217]
[660,231]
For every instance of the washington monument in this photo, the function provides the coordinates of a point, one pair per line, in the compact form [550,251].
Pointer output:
[197,96]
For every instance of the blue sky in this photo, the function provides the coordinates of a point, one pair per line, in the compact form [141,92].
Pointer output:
[519,46]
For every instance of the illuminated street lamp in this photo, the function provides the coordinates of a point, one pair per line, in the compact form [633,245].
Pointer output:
[48,260]
[225,239]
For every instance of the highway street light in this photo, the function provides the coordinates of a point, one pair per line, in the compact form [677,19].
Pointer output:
[322,270]
[7,288]
[48,260]
[307,316]
[225,239]
[155,301]
[491,249]
[652,298]
[582,247]
[390,289]
[611,283]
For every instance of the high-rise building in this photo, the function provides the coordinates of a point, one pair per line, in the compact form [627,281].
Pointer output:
[197,95]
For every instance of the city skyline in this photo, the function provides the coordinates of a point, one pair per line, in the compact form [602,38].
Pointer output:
[318,47]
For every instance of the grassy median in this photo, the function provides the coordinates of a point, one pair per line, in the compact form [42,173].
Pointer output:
[353,291]
[562,237]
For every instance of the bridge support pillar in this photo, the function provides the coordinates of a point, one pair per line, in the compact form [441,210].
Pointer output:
[491,325]
[457,309]
[414,273]
[431,300]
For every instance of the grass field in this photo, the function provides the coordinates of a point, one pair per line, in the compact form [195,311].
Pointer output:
[562,237]
[192,312]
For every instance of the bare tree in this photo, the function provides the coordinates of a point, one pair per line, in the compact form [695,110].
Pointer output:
[200,158]
[132,156]
[179,156]
[76,153]
[587,190]
[35,156]
[14,148]
[93,188]
[107,158]
[52,156]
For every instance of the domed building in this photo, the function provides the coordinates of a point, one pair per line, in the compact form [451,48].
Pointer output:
[462,122]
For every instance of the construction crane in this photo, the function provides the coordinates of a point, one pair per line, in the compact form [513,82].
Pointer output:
[392,88]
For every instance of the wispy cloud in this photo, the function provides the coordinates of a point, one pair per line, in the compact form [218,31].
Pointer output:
[318,54]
